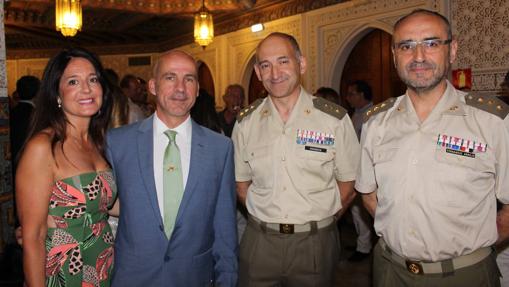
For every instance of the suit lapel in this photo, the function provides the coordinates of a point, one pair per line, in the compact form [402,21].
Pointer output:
[145,143]
[196,166]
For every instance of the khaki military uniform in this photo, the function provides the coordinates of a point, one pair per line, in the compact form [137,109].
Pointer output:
[293,168]
[436,181]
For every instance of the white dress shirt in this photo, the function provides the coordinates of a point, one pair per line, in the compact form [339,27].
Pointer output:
[183,139]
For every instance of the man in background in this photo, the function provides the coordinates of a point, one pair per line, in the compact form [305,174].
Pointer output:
[27,88]
[328,93]
[359,96]
[234,101]
[132,89]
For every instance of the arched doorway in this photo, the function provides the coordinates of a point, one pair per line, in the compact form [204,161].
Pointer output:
[255,88]
[371,60]
[205,79]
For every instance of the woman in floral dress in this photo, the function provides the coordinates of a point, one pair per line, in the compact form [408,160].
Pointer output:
[64,185]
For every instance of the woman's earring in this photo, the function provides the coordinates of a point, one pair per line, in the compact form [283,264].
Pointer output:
[59,102]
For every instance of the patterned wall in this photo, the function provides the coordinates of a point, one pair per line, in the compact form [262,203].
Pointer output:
[482,30]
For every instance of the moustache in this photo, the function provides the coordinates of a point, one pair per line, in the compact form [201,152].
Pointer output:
[420,65]
[179,96]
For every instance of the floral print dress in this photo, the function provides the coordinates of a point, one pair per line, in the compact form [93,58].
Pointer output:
[79,251]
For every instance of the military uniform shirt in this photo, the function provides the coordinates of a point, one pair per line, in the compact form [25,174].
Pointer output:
[437,180]
[294,166]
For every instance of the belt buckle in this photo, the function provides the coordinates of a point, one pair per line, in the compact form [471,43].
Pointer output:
[414,267]
[286,228]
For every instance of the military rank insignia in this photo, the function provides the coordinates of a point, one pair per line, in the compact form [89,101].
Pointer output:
[461,146]
[307,136]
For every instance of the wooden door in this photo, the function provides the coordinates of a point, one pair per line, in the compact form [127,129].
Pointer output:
[205,79]
[371,61]
[256,89]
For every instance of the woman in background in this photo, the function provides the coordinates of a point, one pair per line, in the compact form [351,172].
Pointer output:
[64,185]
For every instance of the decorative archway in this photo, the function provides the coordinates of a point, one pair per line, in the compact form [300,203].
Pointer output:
[205,78]
[255,89]
[343,52]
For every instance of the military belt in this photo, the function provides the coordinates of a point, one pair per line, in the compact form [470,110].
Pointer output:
[286,228]
[444,266]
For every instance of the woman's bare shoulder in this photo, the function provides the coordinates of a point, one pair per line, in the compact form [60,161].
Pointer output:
[40,144]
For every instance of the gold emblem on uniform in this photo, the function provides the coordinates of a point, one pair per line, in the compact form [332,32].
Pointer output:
[286,228]
[414,267]
[329,108]
[490,104]
[387,104]
[171,168]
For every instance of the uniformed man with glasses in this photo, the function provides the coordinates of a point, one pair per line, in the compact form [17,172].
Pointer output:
[433,164]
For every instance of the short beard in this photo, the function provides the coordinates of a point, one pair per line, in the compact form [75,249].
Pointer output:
[417,85]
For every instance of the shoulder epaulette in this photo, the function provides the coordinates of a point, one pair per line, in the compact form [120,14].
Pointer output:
[245,112]
[490,104]
[329,108]
[383,106]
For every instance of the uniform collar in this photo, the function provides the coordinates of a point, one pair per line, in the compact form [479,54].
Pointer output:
[452,102]
[303,106]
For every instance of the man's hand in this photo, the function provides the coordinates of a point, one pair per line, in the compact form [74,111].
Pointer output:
[19,236]
[503,226]
[370,201]
[347,195]
[242,188]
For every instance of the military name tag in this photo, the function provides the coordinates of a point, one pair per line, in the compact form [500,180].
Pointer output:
[458,152]
[317,149]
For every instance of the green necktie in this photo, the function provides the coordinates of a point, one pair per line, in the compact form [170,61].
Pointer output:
[172,183]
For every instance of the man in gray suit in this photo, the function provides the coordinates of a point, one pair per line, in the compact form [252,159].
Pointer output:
[200,247]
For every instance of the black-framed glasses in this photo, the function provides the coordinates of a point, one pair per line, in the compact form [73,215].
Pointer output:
[428,46]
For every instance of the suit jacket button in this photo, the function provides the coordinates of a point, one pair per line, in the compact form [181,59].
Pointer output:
[166,258]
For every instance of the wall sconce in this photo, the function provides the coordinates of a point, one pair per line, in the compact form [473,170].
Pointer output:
[68,17]
[203,27]
[257,27]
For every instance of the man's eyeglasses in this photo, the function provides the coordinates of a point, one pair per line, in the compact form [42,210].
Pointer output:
[428,46]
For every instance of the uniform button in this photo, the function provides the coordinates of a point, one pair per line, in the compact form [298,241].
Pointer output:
[284,188]
[415,161]
[286,216]
[283,158]
[166,258]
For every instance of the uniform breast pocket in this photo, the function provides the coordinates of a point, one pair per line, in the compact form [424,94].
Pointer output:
[314,167]
[463,178]
[260,162]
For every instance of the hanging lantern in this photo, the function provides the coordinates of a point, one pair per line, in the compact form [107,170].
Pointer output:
[203,27]
[68,17]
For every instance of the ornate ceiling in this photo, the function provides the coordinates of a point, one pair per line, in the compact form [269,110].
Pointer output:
[134,26]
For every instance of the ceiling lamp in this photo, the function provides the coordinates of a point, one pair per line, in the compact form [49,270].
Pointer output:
[203,27]
[68,17]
